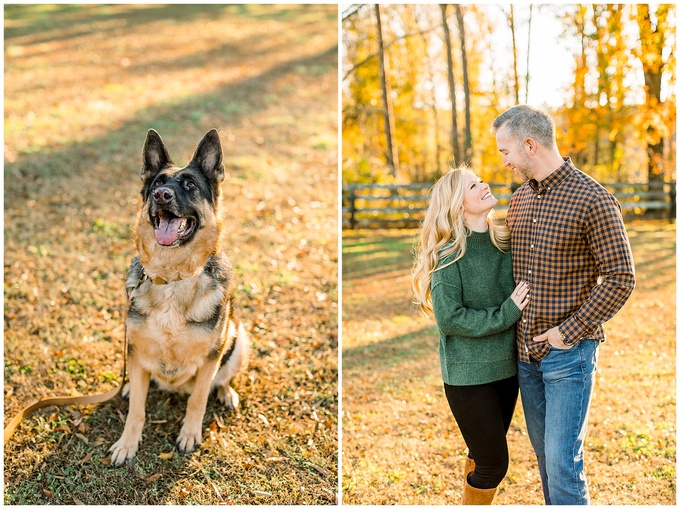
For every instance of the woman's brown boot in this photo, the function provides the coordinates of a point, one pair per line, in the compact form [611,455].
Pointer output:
[469,467]
[476,496]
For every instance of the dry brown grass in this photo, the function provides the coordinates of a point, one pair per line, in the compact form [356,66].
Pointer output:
[402,446]
[82,86]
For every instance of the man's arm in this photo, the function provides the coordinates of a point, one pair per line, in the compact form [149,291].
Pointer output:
[606,236]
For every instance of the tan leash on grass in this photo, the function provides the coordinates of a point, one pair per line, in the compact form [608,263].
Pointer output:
[68,400]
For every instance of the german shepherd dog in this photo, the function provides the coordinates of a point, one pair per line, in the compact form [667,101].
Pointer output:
[179,321]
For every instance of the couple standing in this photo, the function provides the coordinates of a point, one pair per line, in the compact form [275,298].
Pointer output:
[522,306]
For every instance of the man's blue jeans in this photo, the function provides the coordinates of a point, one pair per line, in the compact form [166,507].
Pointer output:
[556,394]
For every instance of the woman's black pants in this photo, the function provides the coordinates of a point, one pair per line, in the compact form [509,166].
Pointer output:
[483,413]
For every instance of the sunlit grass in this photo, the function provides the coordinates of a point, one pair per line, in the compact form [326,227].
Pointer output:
[394,407]
[83,84]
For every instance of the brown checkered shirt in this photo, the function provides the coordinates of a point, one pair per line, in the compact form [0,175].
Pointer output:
[570,244]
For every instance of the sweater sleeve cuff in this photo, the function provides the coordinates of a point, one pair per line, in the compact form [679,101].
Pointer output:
[513,312]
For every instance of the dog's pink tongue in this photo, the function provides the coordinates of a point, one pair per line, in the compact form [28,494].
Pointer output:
[166,233]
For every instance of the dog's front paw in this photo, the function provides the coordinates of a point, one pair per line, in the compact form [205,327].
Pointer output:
[227,396]
[189,439]
[123,450]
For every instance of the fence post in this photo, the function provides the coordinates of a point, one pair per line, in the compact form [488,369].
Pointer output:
[671,212]
[352,207]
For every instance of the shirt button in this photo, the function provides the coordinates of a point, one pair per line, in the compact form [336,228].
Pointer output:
[524,321]
[538,196]
[532,246]
[534,220]
[529,272]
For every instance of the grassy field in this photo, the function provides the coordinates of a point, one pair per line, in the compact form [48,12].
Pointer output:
[402,446]
[83,84]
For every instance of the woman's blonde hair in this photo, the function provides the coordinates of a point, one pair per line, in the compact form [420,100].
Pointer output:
[444,232]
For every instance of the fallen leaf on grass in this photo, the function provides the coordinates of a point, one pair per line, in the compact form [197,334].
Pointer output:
[152,478]
[87,457]
[276,458]
[82,437]
[48,493]
[165,455]
[77,502]
[104,461]
[98,441]
[319,469]
[185,491]
[263,419]
[262,493]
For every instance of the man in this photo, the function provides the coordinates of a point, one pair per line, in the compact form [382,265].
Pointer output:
[570,244]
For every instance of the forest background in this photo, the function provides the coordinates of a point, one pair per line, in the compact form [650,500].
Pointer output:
[615,107]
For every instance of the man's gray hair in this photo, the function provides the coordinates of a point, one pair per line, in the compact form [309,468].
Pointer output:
[524,121]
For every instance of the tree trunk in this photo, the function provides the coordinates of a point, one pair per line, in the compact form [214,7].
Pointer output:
[652,40]
[391,155]
[427,174]
[452,88]
[467,151]
[511,20]
[526,85]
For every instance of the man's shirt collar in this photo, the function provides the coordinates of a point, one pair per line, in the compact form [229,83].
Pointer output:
[554,179]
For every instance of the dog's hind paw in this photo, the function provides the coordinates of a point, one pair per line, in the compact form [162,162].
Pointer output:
[125,392]
[188,441]
[228,396]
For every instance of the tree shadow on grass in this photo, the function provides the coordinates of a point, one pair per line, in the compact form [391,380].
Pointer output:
[654,252]
[51,23]
[100,164]
[391,352]
[180,120]
[366,255]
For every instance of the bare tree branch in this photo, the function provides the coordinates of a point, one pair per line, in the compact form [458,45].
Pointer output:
[351,10]
[386,46]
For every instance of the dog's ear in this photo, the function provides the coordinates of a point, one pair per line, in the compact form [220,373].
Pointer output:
[208,156]
[154,155]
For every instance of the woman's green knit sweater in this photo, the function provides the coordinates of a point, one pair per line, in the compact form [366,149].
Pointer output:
[475,314]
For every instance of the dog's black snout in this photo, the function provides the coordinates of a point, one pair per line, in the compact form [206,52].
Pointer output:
[163,195]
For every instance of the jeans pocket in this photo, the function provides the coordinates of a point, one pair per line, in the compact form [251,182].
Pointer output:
[552,347]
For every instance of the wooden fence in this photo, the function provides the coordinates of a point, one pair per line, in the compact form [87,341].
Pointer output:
[395,206]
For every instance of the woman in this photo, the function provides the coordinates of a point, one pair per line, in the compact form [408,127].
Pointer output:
[463,277]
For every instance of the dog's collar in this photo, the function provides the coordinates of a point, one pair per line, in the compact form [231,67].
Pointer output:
[160,281]
[144,277]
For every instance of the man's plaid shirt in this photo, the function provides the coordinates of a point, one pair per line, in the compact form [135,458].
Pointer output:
[570,244]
